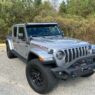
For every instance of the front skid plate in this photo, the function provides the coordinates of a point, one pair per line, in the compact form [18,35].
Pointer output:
[74,72]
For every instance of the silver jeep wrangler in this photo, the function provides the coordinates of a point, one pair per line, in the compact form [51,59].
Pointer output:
[49,55]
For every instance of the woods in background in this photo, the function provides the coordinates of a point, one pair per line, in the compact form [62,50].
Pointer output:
[76,17]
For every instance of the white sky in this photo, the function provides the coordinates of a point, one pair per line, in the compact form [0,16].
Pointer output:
[57,3]
[56,0]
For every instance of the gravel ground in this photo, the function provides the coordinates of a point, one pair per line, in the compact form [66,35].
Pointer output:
[13,80]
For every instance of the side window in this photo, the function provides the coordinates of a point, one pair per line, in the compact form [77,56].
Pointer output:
[21,33]
[15,32]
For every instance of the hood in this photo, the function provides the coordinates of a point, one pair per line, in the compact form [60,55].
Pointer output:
[58,42]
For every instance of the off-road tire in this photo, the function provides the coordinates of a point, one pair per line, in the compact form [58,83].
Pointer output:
[49,81]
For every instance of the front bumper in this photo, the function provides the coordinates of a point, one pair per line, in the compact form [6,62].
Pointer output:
[78,67]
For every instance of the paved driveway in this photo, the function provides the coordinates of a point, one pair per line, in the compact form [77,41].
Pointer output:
[13,80]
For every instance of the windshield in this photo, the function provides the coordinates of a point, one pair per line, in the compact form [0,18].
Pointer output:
[42,30]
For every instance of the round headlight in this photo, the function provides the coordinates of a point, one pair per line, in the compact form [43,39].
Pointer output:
[60,55]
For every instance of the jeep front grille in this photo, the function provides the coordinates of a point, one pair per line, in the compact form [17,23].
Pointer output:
[74,53]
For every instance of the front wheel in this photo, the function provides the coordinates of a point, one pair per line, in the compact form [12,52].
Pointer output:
[39,77]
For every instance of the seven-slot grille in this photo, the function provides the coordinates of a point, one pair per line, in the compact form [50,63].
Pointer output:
[74,53]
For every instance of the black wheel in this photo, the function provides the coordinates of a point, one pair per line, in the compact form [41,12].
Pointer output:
[9,52]
[39,77]
[88,75]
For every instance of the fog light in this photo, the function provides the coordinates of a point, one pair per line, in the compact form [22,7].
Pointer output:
[60,73]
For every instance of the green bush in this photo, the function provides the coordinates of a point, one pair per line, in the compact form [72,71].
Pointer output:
[70,22]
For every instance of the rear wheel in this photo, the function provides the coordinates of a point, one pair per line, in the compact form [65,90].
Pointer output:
[39,77]
[9,52]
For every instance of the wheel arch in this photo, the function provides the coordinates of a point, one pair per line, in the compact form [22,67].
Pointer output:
[10,43]
[43,56]
[31,56]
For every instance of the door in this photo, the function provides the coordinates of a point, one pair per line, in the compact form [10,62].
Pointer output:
[22,47]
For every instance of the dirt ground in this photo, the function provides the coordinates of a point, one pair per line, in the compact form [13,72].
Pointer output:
[13,80]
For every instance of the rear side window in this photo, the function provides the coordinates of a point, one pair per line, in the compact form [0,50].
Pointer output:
[21,33]
[15,32]
[21,30]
